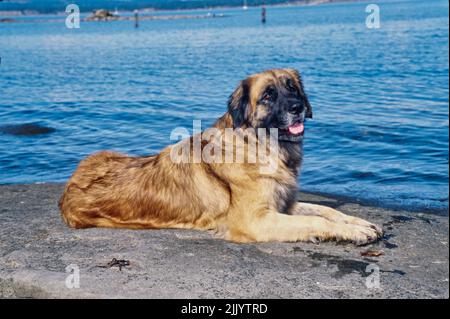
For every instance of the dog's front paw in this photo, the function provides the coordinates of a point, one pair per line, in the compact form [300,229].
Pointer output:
[364,223]
[358,234]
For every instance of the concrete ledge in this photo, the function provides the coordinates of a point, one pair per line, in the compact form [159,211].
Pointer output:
[36,247]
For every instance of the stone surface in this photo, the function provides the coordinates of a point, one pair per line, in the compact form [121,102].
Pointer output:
[36,247]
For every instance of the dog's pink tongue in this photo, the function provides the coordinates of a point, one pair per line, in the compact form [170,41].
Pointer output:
[296,128]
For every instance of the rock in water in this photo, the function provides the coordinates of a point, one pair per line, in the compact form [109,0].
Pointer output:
[101,15]
[27,129]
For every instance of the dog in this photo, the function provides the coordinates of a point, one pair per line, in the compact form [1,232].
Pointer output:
[235,199]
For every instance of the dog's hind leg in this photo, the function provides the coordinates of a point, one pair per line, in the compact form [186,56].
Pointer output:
[88,220]
[332,215]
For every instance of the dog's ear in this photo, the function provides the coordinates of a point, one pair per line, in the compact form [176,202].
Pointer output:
[238,104]
[298,77]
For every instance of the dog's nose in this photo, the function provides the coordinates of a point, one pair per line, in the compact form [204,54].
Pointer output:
[296,108]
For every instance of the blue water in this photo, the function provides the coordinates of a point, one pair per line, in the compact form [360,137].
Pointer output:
[380,96]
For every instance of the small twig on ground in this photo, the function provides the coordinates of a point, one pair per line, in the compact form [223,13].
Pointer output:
[372,253]
[116,262]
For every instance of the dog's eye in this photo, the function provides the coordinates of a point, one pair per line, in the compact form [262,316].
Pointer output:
[269,95]
[290,85]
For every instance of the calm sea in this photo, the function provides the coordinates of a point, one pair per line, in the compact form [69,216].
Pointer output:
[380,96]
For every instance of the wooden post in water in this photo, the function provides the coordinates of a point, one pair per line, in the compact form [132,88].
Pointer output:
[263,14]
[136,19]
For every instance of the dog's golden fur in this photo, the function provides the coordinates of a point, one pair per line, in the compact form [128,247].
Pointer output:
[240,203]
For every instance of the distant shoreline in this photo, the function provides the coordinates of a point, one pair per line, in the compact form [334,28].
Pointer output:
[31,13]
[117,18]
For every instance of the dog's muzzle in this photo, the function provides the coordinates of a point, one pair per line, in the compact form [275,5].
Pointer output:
[294,133]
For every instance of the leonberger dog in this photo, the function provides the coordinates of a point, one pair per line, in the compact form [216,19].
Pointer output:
[240,201]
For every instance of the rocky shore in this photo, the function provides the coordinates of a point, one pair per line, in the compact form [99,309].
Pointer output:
[40,255]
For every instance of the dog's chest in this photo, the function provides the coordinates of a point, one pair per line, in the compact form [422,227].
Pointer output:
[285,195]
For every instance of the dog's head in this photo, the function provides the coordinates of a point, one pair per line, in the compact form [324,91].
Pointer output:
[271,99]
